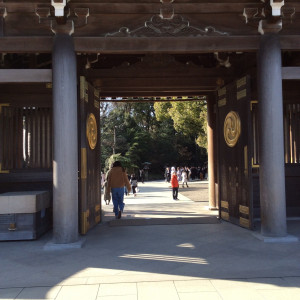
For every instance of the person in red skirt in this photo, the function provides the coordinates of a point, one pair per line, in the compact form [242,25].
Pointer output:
[175,185]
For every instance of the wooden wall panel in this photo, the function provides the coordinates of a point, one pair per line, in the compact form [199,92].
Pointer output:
[235,178]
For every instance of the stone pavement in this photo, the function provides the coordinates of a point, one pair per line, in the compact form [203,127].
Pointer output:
[154,200]
[188,261]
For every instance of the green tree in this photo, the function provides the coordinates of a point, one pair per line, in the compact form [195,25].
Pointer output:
[140,132]
[125,161]
[127,130]
[189,118]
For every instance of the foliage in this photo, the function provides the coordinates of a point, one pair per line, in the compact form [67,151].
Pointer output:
[126,162]
[139,132]
[162,110]
[189,118]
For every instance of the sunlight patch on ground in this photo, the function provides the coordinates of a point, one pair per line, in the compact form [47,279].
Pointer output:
[179,259]
[187,245]
[95,271]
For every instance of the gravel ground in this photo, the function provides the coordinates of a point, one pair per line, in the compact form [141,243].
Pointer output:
[197,191]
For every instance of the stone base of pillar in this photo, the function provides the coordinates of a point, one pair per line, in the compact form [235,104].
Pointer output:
[269,239]
[212,208]
[51,246]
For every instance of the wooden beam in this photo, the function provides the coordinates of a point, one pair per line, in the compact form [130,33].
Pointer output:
[291,73]
[145,7]
[188,45]
[141,7]
[137,45]
[26,44]
[19,100]
[191,7]
[138,100]
[151,93]
[25,75]
[131,83]
[123,45]
[155,92]
[174,45]
[171,71]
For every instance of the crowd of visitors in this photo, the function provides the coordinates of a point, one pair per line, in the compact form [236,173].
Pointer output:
[185,174]
[116,182]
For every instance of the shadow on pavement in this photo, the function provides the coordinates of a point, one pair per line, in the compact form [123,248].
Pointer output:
[220,252]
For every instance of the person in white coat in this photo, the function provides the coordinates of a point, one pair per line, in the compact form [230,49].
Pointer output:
[184,178]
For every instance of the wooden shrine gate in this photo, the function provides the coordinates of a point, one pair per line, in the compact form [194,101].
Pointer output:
[234,153]
[89,157]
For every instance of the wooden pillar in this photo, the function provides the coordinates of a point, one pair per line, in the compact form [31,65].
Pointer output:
[271,151]
[65,131]
[210,150]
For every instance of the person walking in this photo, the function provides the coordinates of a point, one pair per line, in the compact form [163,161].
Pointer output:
[184,178]
[175,185]
[116,181]
[134,184]
[102,179]
[167,174]
[142,175]
[106,193]
[179,178]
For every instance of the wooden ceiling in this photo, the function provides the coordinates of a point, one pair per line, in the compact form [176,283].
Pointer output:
[164,74]
[145,75]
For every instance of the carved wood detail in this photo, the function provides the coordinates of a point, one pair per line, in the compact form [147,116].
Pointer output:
[178,26]
[78,17]
[67,28]
[167,9]
[264,18]
[44,15]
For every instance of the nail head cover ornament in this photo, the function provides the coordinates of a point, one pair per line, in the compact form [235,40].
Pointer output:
[91,130]
[232,128]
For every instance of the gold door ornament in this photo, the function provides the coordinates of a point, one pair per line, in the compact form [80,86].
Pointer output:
[232,128]
[91,130]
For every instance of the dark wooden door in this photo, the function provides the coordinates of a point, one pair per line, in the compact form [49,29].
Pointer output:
[89,157]
[234,128]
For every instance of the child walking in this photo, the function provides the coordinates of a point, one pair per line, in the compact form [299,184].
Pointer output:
[175,185]
[134,184]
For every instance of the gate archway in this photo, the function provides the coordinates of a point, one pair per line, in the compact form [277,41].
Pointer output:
[216,32]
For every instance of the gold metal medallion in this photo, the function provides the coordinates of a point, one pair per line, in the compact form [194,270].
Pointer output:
[91,130]
[232,128]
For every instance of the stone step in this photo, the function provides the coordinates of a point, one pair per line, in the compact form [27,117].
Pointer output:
[163,221]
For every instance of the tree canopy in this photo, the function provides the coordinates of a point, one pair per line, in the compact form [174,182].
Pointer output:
[162,133]
[189,118]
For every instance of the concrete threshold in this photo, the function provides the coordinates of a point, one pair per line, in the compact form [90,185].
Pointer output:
[163,221]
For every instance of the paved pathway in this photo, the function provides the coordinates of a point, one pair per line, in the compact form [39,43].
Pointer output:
[194,261]
[154,200]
